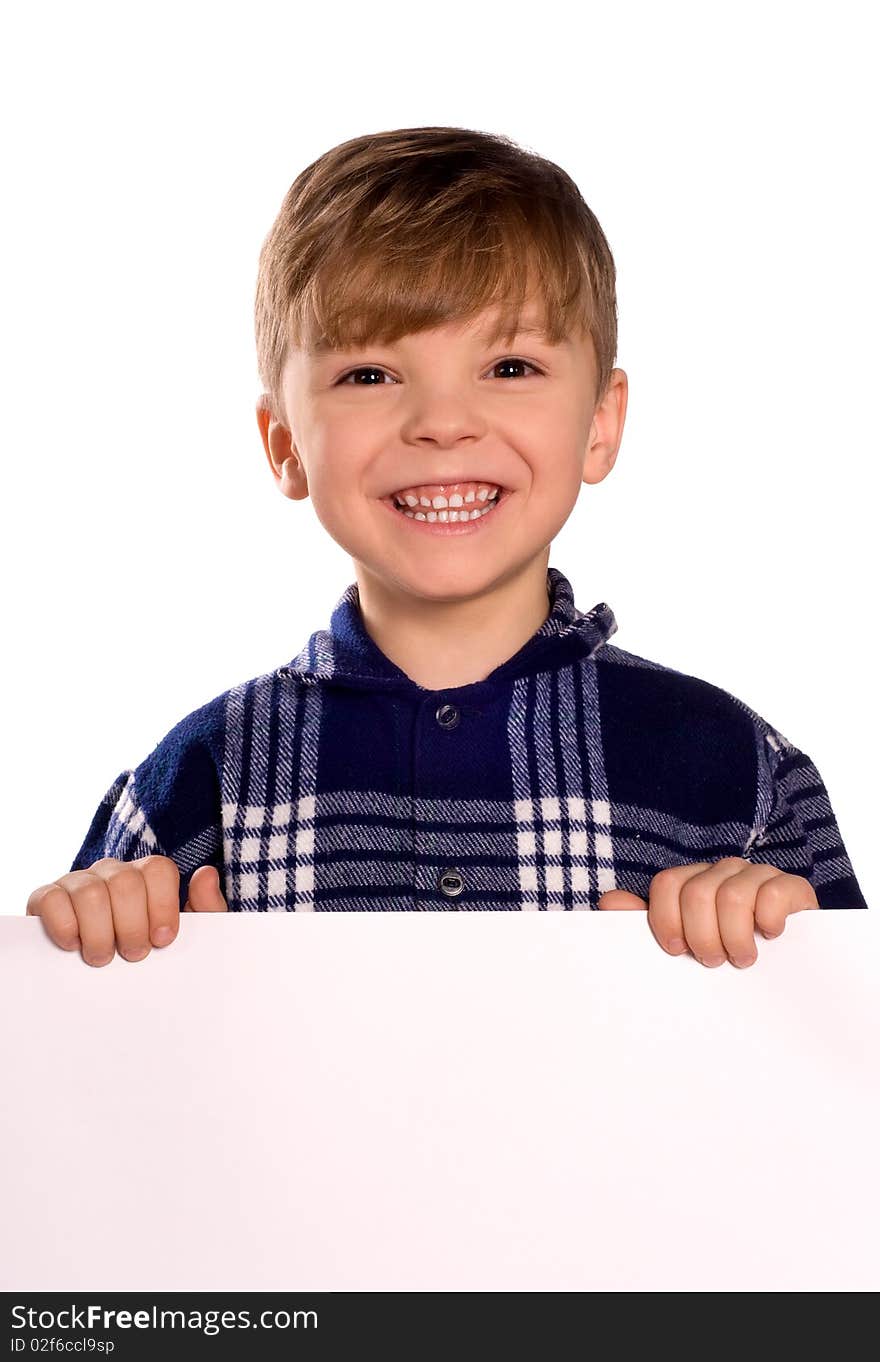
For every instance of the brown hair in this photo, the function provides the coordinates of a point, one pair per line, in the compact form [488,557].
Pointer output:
[398,231]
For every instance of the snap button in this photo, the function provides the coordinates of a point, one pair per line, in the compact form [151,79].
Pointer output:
[450,883]
[448,716]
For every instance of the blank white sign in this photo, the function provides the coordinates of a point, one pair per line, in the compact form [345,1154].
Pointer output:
[441,1101]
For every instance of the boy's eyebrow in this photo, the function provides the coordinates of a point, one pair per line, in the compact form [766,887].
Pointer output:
[323,347]
[536,329]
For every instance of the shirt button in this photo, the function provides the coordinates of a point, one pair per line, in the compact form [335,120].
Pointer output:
[450,883]
[448,716]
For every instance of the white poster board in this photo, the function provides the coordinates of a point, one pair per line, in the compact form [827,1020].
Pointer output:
[441,1101]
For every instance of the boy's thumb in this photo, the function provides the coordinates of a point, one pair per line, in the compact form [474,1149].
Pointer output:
[204,892]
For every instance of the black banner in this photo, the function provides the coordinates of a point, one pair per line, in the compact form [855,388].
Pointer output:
[119,1326]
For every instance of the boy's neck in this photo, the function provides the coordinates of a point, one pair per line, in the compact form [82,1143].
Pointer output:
[442,645]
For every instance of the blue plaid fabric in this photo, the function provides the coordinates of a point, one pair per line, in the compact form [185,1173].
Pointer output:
[338,783]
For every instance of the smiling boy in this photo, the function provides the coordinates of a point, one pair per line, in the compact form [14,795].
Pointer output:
[444,600]
[436,331]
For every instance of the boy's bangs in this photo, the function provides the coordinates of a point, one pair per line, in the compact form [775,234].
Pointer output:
[384,296]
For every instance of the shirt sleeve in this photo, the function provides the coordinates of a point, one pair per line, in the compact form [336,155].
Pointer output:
[800,833]
[119,827]
[169,805]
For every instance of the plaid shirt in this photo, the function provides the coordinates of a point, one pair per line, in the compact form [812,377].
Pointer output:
[338,783]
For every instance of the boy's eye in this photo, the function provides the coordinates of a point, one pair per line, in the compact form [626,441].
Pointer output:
[524,363]
[374,369]
[365,369]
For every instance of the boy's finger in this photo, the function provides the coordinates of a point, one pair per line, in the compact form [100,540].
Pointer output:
[777,897]
[699,911]
[664,905]
[162,879]
[91,902]
[52,904]
[204,892]
[128,903]
[617,900]
[735,901]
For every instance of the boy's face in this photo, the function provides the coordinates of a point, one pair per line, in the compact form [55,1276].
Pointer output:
[442,406]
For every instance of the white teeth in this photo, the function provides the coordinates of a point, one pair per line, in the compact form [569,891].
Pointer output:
[446,516]
[440,503]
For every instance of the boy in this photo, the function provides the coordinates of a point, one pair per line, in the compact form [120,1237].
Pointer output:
[462,737]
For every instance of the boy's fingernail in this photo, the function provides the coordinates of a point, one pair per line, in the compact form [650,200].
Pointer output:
[162,936]
[676,944]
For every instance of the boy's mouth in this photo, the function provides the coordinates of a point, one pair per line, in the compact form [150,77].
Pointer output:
[460,495]
[456,517]
[465,487]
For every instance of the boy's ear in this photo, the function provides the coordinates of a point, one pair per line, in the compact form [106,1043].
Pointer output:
[606,429]
[287,468]
[266,422]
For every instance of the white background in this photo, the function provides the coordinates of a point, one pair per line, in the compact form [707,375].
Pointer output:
[149,561]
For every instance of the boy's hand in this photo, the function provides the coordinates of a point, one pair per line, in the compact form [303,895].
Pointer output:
[124,905]
[714,907]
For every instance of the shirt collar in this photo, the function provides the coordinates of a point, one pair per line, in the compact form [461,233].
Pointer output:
[345,654]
